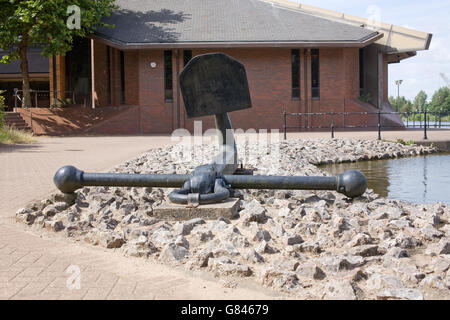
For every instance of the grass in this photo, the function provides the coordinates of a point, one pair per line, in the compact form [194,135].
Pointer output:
[10,135]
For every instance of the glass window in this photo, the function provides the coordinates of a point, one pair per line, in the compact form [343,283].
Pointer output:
[295,63]
[315,80]
[122,77]
[187,56]
[168,77]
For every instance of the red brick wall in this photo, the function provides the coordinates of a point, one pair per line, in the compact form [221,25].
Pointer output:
[269,77]
[101,75]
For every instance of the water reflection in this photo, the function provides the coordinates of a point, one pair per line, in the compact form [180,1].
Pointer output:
[424,179]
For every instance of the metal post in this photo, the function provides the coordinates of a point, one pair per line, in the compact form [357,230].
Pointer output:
[284,126]
[15,98]
[440,118]
[425,137]
[407,119]
[332,125]
[379,125]
[36,99]
[31,119]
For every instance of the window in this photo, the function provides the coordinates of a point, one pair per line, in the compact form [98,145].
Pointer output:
[361,71]
[122,77]
[315,81]
[295,64]
[187,56]
[108,63]
[168,77]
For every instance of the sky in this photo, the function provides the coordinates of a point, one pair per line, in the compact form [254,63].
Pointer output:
[421,72]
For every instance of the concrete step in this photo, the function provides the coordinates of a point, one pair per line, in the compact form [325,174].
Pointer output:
[15,120]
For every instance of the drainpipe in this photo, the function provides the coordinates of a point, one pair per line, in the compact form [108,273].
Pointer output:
[177,55]
[306,73]
[92,75]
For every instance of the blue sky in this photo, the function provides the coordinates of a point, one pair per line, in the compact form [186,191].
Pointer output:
[421,72]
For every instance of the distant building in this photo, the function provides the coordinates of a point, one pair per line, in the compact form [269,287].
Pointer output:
[298,59]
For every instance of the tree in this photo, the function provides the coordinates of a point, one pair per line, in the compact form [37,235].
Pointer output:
[420,101]
[51,24]
[397,103]
[441,100]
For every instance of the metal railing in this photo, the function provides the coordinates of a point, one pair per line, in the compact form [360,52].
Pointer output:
[42,98]
[340,120]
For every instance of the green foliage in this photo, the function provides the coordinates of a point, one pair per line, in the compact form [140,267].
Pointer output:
[12,136]
[60,103]
[420,101]
[365,97]
[405,143]
[440,101]
[401,104]
[2,108]
[44,22]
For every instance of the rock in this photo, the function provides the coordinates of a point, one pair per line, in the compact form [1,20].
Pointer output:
[203,235]
[429,232]
[308,247]
[252,256]
[284,212]
[432,282]
[279,279]
[310,270]
[224,266]
[173,252]
[400,294]
[162,237]
[182,242]
[253,212]
[54,226]
[440,265]
[49,211]
[339,290]
[264,247]
[444,247]
[260,234]
[393,213]
[398,253]
[201,258]
[379,281]
[359,240]
[27,218]
[334,264]
[367,251]
[223,248]
[139,247]
[68,198]
[110,240]
[281,203]
[291,240]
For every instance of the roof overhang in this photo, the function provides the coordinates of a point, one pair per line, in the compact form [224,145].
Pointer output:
[115,43]
[396,39]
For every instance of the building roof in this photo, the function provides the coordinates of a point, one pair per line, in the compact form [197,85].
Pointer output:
[36,63]
[397,40]
[197,23]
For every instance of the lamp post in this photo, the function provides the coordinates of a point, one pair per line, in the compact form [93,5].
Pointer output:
[398,83]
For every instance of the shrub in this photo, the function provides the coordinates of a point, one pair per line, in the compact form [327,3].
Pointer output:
[2,108]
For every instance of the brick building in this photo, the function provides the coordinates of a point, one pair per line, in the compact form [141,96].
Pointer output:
[298,59]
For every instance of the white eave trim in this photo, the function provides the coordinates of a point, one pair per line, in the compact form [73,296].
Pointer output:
[396,38]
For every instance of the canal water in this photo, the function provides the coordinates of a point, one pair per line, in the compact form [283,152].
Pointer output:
[424,179]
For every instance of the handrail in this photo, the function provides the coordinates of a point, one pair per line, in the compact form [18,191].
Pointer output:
[423,122]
